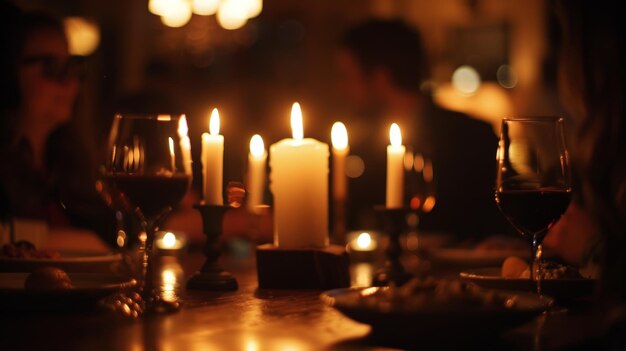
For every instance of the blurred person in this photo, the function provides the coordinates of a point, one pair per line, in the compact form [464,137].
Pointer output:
[46,173]
[383,67]
[592,87]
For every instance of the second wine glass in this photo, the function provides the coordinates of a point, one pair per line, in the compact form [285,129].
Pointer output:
[146,174]
[533,183]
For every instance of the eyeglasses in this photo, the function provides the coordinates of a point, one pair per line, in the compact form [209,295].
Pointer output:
[56,68]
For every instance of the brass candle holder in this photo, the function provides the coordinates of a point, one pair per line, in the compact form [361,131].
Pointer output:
[212,276]
[394,223]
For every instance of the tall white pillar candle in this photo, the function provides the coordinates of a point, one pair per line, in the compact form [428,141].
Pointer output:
[299,183]
[256,173]
[395,168]
[212,162]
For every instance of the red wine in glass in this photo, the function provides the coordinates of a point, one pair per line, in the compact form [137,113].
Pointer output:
[532,212]
[150,193]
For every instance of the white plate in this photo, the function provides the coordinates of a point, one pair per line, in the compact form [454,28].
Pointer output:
[87,290]
[436,320]
[69,261]
[560,289]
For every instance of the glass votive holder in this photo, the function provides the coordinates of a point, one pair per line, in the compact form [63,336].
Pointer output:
[170,242]
[362,244]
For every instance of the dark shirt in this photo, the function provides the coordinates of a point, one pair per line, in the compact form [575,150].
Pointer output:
[463,154]
[62,195]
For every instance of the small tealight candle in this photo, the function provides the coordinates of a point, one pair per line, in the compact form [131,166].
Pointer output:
[170,241]
[364,241]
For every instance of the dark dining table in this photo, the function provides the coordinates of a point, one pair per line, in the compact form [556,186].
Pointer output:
[253,319]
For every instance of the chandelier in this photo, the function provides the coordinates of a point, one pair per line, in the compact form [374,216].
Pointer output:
[230,14]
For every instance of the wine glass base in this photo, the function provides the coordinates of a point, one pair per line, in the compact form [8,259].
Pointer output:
[155,304]
[135,305]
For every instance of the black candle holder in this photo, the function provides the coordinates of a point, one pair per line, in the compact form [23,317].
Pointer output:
[394,223]
[212,276]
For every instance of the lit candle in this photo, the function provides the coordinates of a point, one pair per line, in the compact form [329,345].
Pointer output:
[172,156]
[256,172]
[395,168]
[299,183]
[185,144]
[339,137]
[363,242]
[212,161]
[169,241]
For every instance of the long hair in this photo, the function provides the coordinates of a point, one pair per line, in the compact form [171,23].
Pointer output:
[593,61]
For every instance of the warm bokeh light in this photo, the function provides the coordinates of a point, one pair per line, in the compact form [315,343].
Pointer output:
[232,14]
[183,129]
[83,35]
[169,240]
[158,7]
[428,171]
[164,118]
[407,161]
[418,163]
[254,7]
[257,147]
[412,241]
[339,136]
[205,7]
[297,128]
[466,80]
[251,345]
[364,241]
[506,77]
[176,14]
[214,122]
[429,204]
[395,136]
[490,102]
[354,166]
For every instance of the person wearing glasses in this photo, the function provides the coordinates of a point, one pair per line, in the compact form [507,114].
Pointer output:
[46,173]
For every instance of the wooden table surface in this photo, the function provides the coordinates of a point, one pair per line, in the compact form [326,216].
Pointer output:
[247,319]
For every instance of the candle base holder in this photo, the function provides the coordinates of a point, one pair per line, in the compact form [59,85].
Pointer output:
[306,268]
[211,276]
[393,220]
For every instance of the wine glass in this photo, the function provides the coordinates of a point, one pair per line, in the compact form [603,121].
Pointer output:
[533,185]
[146,175]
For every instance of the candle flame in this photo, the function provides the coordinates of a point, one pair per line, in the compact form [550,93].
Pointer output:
[169,239]
[395,136]
[257,148]
[214,122]
[339,136]
[296,122]
[183,129]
